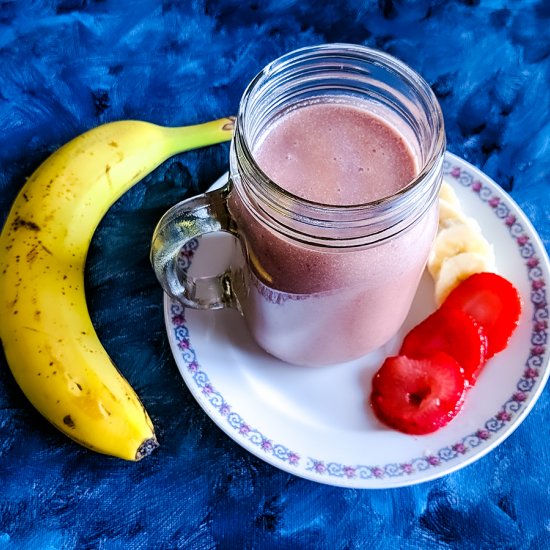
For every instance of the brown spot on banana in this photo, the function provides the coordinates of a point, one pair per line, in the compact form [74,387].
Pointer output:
[229,126]
[108,174]
[68,421]
[32,254]
[19,223]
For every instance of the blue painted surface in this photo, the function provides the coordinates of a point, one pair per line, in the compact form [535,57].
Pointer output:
[68,65]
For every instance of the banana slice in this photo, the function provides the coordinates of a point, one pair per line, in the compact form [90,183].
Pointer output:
[457,239]
[449,214]
[456,269]
[459,249]
[447,193]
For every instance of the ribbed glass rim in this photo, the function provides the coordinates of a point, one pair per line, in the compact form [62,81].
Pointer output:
[354,51]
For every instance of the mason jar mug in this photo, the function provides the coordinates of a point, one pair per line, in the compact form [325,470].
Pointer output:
[321,283]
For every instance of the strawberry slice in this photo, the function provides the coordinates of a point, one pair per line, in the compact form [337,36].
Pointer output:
[418,396]
[452,332]
[495,304]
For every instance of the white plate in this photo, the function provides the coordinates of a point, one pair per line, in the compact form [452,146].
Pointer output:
[314,423]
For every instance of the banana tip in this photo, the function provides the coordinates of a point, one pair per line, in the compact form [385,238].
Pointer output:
[146,448]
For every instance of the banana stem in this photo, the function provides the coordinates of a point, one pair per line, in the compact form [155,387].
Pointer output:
[184,138]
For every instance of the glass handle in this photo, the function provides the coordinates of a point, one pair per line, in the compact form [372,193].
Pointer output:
[185,221]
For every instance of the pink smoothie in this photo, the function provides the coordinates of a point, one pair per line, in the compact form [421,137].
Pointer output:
[310,305]
[335,154]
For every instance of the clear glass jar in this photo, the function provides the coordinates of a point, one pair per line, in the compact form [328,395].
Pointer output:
[321,284]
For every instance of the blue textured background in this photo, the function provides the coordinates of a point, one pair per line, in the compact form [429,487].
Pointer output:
[68,65]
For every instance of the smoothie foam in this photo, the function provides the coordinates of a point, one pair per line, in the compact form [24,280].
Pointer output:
[337,154]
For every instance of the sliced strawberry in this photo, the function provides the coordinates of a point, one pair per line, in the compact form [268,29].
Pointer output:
[453,332]
[418,396]
[495,304]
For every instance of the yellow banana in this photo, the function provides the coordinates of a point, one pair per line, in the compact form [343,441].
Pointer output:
[50,343]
